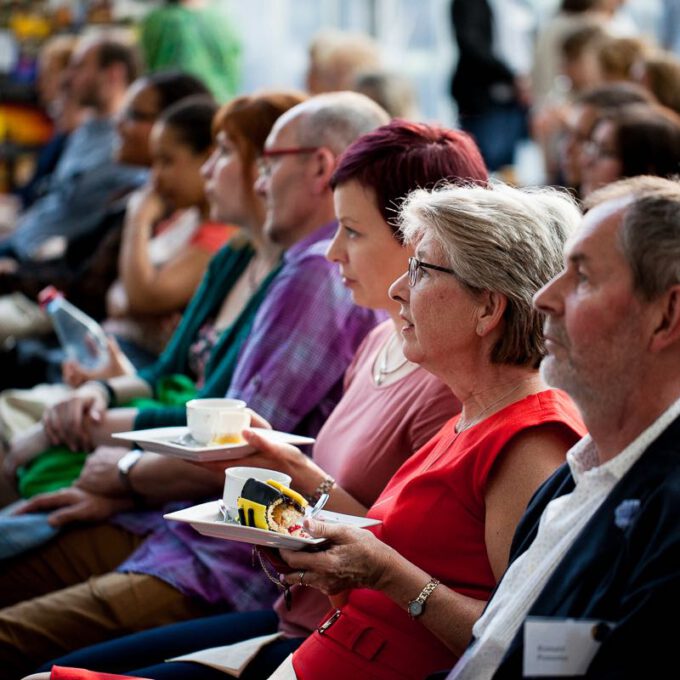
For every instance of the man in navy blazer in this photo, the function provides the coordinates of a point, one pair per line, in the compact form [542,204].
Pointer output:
[594,581]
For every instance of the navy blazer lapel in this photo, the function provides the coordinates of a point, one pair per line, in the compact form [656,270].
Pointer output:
[588,567]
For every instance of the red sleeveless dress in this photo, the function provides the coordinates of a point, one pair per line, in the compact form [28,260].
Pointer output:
[433,513]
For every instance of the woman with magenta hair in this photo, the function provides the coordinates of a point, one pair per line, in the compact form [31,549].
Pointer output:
[390,407]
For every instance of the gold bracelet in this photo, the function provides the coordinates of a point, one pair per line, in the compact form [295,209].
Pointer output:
[325,487]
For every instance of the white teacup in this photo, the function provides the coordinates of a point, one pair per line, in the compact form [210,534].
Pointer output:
[236,477]
[217,421]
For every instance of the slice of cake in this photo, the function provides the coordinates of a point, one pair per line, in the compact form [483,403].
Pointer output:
[270,505]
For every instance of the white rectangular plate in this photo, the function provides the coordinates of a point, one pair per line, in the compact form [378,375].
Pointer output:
[176,441]
[207,520]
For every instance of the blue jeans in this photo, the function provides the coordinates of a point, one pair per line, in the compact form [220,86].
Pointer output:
[143,654]
[22,532]
[497,131]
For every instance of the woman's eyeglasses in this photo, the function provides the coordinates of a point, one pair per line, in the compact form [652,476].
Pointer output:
[415,266]
[596,150]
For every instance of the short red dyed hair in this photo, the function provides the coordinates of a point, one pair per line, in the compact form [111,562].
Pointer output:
[402,156]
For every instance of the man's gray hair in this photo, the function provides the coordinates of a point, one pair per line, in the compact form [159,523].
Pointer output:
[334,120]
[650,230]
[499,239]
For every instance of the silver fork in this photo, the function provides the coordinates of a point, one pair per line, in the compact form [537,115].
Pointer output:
[225,513]
[318,506]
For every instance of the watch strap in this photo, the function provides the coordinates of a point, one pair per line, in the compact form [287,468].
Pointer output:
[417,606]
[125,465]
[110,392]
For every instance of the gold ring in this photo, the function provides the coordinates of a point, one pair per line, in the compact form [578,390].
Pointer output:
[301,576]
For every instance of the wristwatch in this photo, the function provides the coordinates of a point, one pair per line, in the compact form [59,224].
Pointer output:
[417,607]
[125,464]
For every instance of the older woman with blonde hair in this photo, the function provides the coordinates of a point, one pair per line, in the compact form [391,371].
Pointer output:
[409,590]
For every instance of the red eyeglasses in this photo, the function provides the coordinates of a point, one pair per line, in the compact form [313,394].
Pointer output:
[264,166]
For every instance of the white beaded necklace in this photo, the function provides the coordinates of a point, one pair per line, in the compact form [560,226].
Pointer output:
[382,371]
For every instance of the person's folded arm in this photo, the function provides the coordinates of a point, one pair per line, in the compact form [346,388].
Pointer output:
[128,387]
[152,481]
[165,289]
[151,289]
[158,479]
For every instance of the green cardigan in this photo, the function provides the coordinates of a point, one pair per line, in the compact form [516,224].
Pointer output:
[222,273]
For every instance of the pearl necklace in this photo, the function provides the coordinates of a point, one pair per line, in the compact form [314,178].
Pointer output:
[382,371]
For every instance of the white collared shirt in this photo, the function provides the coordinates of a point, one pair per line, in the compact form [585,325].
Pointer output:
[561,522]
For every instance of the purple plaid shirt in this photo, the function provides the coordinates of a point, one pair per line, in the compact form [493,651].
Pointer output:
[290,371]
[304,336]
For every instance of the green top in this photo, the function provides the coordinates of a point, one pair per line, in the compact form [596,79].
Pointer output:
[197,41]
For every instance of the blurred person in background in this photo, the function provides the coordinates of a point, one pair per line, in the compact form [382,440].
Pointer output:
[491,81]
[168,238]
[659,72]
[64,110]
[87,177]
[394,92]
[336,58]
[195,36]
[579,118]
[580,62]
[639,139]
[618,56]
[547,81]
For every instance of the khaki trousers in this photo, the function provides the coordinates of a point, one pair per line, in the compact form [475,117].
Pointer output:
[78,600]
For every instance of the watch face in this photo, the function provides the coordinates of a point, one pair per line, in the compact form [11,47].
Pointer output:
[415,608]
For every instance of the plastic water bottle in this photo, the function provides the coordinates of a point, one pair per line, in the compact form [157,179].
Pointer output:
[81,337]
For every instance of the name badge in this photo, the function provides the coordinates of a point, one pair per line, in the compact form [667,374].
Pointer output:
[561,647]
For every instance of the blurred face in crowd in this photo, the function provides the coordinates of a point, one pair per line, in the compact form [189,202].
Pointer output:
[176,168]
[135,121]
[583,71]
[365,248]
[51,75]
[86,78]
[224,182]
[600,160]
[579,124]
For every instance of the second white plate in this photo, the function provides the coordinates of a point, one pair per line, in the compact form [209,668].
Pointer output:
[176,441]
[206,519]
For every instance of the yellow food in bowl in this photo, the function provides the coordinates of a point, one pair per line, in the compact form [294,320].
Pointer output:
[232,438]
